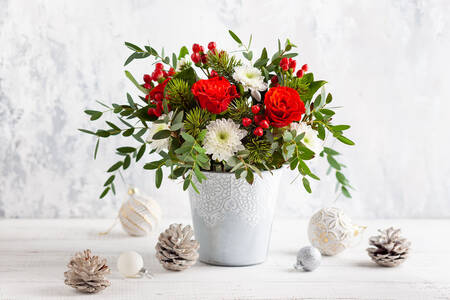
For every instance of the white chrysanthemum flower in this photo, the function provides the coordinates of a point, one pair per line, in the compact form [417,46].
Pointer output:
[183,63]
[223,139]
[310,139]
[161,144]
[250,78]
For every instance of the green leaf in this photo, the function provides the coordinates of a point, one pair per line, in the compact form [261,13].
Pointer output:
[345,192]
[313,176]
[327,112]
[94,114]
[303,168]
[115,166]
[187,137]
[96,148]
[250,178]
[187,75]
[248,55]
[321,132]
[109,180]
[129,59]
[158,177]
[130,101]
[133,47]
[128,132]
[186,183]
[102,133]
[333,162]
[140,152]
[345,140]
[306,184]
[330,151]
[125,122]
[131,78]
[174,60]
[341,178]
[340,127]
[87,131]
[105,191]
[126,149]
[261,62]
[183,52]
[162,134]
[287,136]
[126,162]
[235,37]
[290,55]
[112,125]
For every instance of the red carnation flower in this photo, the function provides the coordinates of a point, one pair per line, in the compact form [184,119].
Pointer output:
[157,93]
[214,94]
[283,106]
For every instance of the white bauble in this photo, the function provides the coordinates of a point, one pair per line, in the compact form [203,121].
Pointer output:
[130,263]
[331,231]
[308,258]
[139,215]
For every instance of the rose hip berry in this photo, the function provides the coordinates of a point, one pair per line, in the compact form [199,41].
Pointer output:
[196,48]
[212,46]
[264,124]
[246,122]
[255,109]
[147,78]
[195,57]
[258,119]
[305,68]
[258,131]
[274,79]
[300,73]
[159,66]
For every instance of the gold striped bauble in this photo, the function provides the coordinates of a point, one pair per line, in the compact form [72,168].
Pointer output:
[139,215]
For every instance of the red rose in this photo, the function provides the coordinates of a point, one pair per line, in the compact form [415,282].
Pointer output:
[214,94]
[283,106]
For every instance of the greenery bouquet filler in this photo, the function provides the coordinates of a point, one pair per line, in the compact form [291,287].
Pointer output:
[212,110]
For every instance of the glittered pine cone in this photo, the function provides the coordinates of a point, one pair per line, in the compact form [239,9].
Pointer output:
[390,249]
[176,250]
[87,273]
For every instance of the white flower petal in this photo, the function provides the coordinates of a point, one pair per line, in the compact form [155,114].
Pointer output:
[223,139]
[250,78]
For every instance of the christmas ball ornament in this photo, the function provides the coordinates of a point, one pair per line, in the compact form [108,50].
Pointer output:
[139,215]
[130,263]
[308,259]
[389,248]
[331,231]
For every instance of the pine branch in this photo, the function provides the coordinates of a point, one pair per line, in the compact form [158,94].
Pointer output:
[180,95]
[223,64]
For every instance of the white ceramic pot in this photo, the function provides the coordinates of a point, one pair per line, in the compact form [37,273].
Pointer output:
[233,219]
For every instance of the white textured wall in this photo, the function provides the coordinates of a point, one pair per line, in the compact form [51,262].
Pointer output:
[387,63]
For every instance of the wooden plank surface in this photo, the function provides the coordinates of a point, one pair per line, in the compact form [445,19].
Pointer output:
[34,254]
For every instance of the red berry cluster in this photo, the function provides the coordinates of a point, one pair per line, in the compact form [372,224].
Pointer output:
[302,71]
[260,121]
[290,64]
[199,54]
[158,75]
[156,94]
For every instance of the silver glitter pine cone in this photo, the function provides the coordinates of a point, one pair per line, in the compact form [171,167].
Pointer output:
[87,273]
[390,249]
[176,250]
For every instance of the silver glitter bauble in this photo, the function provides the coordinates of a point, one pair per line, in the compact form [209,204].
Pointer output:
[308,259]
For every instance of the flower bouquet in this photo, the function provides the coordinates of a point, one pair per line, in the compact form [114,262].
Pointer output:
[213,117]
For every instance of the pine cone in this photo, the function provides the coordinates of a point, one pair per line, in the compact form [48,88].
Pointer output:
[175,249]
[390,248]
[87,273]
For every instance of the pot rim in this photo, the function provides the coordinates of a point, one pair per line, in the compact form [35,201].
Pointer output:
[232,173]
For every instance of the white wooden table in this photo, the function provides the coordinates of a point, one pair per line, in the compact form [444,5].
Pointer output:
[34,254]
